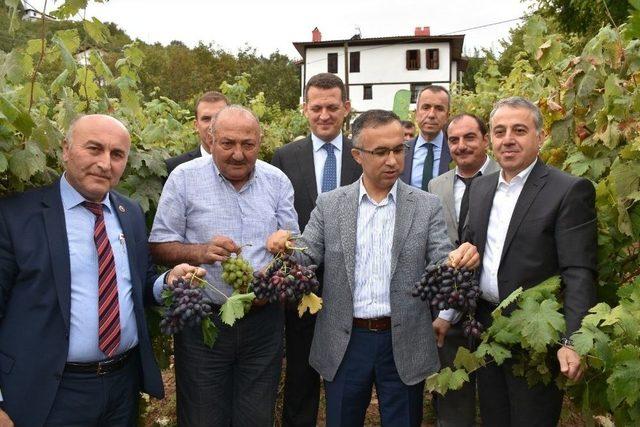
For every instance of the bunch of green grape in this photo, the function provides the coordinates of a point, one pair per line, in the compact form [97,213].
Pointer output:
[237,272]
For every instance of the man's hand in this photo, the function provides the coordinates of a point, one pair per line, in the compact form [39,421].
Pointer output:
[570,365]
[277,242]
[218,250]
[440,328]
[184,271]
[5,421]
[466,255]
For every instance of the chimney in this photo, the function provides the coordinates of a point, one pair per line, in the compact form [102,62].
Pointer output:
[316,35]
[422,31]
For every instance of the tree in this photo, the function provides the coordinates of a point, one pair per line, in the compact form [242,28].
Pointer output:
[584,17]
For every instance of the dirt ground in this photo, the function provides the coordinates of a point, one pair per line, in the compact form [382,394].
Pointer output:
[163,412]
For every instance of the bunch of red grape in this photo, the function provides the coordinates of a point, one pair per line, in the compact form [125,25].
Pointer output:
[285,280]
[445,287]
[185,305]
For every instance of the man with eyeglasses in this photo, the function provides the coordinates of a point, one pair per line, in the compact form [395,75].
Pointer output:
[316,164]
[210,208]
[371,330]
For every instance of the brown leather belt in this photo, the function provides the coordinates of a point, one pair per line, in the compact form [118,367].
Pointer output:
[102,367]
[377,324]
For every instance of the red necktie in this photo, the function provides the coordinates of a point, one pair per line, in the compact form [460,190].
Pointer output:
[108,308]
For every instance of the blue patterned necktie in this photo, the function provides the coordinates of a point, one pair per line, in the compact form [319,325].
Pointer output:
[329,172]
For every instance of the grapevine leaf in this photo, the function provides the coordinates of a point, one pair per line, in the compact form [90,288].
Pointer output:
[624,382]
[234,308]
[16,66]
[59,82]
[310,302]
[96,30]
[498,352]
[446,380]
[21,120]
[69,8]
[209,332]
[467,360]
[506,330]
[68,42]
[3,163]
[544,290]
[102,69]
[27,162]
[513,296]
[544,325]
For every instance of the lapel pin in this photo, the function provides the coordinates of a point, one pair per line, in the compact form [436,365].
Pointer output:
[121,208]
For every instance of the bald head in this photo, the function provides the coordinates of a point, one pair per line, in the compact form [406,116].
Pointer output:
[95,154]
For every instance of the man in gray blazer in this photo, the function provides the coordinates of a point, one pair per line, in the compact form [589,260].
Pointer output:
[468,143]
[375,238]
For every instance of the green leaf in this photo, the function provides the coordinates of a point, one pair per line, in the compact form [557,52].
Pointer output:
[59,82]
[69,8]
[102,70]
[3,163]
[21,120]
[17,66]
[67,42]
[512,297]
[234,308]
[446,380]
[27,162]
[587,85]
[96,30]
[209,332]
[498,352]
[545,323]
[467,360]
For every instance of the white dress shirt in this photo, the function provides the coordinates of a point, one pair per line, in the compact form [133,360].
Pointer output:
[320,156]
[203,152]
[374,238]
[504,202]
[459,187]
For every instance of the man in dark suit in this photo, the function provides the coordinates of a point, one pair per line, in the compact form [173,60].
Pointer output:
[74,275]
[207,106]
[468,143]
[428,155]
[314,167]
[530,222]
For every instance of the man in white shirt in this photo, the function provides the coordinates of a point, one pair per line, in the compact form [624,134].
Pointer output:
[468,143]
[530,222]
[375,237]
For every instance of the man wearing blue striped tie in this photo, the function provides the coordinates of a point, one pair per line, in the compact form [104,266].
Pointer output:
[375,238]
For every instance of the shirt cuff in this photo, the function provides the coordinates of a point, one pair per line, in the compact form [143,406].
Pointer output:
[157,287]
[452,316]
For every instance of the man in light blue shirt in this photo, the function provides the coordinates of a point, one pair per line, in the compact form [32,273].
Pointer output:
[428,155]
[210,208]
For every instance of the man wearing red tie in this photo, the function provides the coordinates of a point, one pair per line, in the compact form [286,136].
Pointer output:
[74,278]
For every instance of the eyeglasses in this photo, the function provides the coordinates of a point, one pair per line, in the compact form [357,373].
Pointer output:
[384,152]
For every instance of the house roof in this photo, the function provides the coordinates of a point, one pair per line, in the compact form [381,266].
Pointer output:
[456,41]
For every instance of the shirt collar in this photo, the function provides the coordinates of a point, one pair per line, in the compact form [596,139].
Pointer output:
[203,152]
[318,143]
[437,141]
[482,169]
[391,197]
[521,177]
[72,198]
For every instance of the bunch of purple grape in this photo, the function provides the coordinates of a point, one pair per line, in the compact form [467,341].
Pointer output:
[472,328]
[185,305]
[447,287]
[285,280]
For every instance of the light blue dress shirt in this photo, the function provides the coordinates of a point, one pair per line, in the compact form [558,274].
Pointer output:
[420,154]
[83,262]
[320,156]
[198,203]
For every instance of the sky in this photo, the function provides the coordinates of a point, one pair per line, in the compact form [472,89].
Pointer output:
[271,26]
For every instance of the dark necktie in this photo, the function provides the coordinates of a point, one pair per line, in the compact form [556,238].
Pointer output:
[108,307]
[329,180]
[427,170]
[464,204]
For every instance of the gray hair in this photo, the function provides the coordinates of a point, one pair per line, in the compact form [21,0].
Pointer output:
[72,127]
[519,102]
[230,109]
[371,119]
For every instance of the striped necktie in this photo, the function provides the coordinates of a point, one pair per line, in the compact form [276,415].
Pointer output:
[108,307]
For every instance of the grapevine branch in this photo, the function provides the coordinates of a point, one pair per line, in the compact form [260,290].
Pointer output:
[42,45]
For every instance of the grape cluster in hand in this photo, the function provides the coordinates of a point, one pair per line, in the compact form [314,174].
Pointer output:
[472,328]
[285,280]
[188,306]
[237,272]
[446,287]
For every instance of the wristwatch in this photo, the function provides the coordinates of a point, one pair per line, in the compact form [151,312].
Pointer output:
[566,342]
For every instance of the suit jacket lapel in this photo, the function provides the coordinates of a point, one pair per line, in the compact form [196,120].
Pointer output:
[408,162]
[532,187]
[56,229]
[307,169]
[124,216]
[449,199]
[349,227]
[405,208]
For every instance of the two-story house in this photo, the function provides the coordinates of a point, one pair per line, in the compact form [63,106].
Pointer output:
[376,69]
